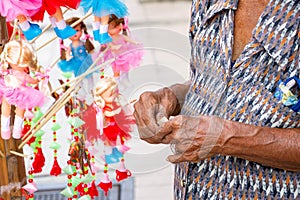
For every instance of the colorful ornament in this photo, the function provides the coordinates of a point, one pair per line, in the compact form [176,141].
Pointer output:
[30,187]
[56,169]
[122,173]
[105,183]
[39,159]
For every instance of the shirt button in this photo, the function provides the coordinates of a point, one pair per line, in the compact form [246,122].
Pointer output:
[182,183]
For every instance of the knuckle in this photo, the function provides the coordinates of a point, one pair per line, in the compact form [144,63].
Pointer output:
[146,95]
[136,105]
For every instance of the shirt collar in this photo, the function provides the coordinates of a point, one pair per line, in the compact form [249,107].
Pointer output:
[278,30]
[218,6]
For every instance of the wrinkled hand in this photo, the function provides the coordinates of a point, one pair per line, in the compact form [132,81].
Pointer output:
[192,138]
[150,111]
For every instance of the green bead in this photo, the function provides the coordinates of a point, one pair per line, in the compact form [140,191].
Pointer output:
[67,75]
[39,133]
[37,116]
[55,145]
[68,192]
[55,127]
[88,178]
[70,169]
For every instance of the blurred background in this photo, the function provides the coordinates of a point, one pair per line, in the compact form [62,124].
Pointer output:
[162,27]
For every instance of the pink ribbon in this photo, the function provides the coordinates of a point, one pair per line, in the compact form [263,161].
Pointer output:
[41,75]
[87,36]
[99,118]
[44,76]
[125,26]
[63,47]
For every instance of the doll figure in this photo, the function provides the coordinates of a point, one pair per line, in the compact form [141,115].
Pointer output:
[128,53]
[53,8]
[101,10]
[114,121]
[17,60]
[21,10]
[77,59]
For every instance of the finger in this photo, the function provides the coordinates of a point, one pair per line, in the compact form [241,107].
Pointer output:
[150,118]
[184,146]
[177,158]
[145,113]
[170,138]
[166,133]
[172,130]
[148,136]
[147,125]
[183,157]
[138,109]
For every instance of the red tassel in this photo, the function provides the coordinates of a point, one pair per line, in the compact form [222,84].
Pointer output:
[56,170]
[122,175]
[39,161]
[31,140]
[105,184]
[93,192]
[105,187]
[26,128]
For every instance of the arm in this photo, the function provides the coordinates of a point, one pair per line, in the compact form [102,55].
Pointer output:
[197,138]
[29,79]
[276,147]
[130,40]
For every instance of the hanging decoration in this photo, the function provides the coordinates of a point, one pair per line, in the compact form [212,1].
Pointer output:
[104,119]
[56,170]
[113,121]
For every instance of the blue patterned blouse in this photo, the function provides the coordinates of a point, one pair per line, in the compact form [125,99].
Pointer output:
[243,92]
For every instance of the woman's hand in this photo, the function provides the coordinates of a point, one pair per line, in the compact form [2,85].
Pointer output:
[195,138]
[192,138]
[152,109]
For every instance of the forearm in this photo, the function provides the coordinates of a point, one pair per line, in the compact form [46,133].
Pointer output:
[275,147]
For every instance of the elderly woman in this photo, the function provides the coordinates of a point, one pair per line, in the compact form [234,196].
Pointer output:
[232,136]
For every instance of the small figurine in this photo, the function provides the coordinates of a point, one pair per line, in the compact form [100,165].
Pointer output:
[21,10]
[53,8]
[17,60]
[114,123]
[77,59]
[101,10]
[128,52]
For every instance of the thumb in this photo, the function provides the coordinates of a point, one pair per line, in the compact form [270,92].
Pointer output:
[165,130]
